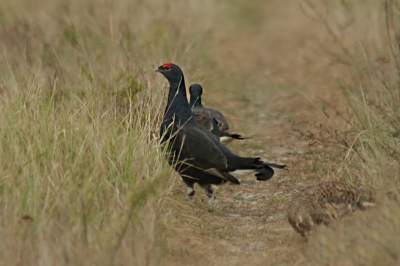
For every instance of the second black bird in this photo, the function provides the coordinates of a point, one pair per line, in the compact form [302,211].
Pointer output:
[210,119]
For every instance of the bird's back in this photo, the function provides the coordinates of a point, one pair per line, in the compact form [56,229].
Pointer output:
[203,118]
[324,202]
[222,122]
[211,120]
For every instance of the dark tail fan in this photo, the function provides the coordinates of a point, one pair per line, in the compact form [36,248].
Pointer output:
[233,135]
[273,165]
[265,173]
[256,163]
[264,170]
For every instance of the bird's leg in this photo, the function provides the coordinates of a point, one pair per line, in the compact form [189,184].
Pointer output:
[190,191]
[211,196]
[189,188]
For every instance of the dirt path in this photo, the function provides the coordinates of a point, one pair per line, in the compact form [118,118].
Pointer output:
[284,72]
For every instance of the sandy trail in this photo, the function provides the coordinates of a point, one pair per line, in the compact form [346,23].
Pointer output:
[284,73]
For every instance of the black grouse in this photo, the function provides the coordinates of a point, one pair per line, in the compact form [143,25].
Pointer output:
[196,154]
[210,119]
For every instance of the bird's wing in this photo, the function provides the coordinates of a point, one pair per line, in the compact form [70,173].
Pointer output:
[220,118]
[223,175]
[202,149]
[203,118]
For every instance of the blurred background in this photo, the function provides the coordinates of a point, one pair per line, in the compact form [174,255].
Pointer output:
[83,181]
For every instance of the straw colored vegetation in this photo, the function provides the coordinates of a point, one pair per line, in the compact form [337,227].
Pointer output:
[83,180]
[370,46]
[81,170]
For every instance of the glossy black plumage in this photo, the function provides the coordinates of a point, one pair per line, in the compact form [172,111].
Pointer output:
[196,153]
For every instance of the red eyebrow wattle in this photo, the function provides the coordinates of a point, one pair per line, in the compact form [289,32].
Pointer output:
[167,65]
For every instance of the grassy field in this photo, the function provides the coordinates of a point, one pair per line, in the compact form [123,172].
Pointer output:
[83,180]
[80,104]
[369,45]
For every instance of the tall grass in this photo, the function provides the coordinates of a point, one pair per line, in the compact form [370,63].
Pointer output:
[81,171]
[369,46]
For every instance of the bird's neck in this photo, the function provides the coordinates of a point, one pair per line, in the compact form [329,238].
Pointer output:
[195,101]
[177,105]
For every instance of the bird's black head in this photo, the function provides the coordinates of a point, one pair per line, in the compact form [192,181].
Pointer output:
[171,72]
[195,95]
[196,90]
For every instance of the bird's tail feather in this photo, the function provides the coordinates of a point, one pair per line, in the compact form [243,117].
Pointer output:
[232,179]
[264,170]
[233,135]
[256,163]
[265,173]
[273,165]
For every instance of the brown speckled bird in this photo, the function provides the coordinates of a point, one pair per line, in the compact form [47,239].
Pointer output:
[324,202]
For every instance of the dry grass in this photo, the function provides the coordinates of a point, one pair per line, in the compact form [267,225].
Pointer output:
[80,106]
[369,46]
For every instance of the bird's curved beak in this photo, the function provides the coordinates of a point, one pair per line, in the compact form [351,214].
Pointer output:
[157,70]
